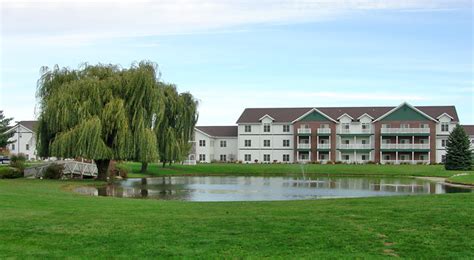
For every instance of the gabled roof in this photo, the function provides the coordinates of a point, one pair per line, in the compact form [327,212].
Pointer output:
[288,115]
[444,114]
[218,131]
[402,105]
[311,111]
[365,114]
[266,115]
[30,125]
[345,114]
[469,129]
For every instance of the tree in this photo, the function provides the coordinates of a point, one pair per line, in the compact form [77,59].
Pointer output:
[177,125]
[100,112]
[458,152]
[5,126]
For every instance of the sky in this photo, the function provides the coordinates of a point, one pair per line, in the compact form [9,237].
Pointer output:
[242,53]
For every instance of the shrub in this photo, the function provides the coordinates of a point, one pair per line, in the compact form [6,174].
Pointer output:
[10,173]
[53,171]
[338,162]
[18,161]
[256,161]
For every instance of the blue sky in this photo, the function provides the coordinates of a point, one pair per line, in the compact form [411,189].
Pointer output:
[236,54]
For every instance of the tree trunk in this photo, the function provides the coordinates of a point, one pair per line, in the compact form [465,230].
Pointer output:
[164,163]
[103,169]
[144,167]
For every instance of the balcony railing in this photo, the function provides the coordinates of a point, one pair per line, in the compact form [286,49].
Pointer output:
[355,131]
[304,146]
[404,161]
[405,146]
[355,146]
[304,130]
[324,146]
[324,130]
[405,130]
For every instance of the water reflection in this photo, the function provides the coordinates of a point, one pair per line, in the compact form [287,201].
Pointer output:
[229,188]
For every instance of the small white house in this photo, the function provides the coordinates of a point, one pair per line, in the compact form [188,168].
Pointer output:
[24,139]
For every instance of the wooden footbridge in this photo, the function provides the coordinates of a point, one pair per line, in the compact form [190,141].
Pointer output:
[72,169]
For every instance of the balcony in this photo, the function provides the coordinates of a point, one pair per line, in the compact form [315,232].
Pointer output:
[405,161]
[357,131]
[324,131]
[304,131]
[323,146]
[405,146]
[405,131]
[355,147]
[304,146]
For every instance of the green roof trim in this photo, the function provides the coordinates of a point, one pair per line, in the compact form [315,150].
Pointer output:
[314,116]
[405,113]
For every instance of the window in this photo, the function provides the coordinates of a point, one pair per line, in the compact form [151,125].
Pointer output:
[443,158]
[346,141]
[364,157]
[247,143]
[423,157]
[404,157]
[223,143]
[266,157]
[202,143]
[304,126]
[202,157]
[404,141]
[27,157]
[13,147]
[223,157]
[27,147]
[247,157]
[364,141]
[365,126]
[404,125]
[286,128]
[345,157]
[345,126]
[424,126]
[385,125]
[286,143]
[444,142]
[266,143]
[324,126]
[386,157]
[286,157]
[266,128]
[445,127]
[423,141]
[386,141]
[248,128]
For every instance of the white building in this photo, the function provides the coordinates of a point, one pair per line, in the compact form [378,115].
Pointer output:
[402,134]
[24,138]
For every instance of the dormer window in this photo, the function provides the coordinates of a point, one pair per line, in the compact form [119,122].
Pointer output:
[266,128]
[365,126]
[345,126]
[444,127]
[248,128]
[286,128]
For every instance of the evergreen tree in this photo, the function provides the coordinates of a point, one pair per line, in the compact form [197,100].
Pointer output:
[458,152]
[100,112]
[5,126]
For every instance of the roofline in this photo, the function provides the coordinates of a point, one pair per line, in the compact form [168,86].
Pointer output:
[365,114]
[15,126]
[214,136]
[399,106]
[345,114]
[266,115]
[445,114]
[311,110]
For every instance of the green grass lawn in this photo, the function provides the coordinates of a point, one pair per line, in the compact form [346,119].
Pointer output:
[467,179]
[276,169]
[44,219]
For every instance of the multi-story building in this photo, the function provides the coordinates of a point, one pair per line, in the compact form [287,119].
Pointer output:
[24,139]
[402,134]
[470,132]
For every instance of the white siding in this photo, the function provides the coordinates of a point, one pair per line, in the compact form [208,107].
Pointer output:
[22,139]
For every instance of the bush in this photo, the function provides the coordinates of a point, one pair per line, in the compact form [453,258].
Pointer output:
[18,161]
[53,171]
[10,173]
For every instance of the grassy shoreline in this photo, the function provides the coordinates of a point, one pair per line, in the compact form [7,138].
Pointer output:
[279,169]
[41,219]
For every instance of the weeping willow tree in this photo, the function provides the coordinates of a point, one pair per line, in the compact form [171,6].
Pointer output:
[100,112]
[176,127]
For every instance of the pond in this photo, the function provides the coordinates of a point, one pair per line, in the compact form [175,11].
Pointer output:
[236,188]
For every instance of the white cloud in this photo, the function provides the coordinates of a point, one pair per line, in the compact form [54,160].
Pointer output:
[79,22]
